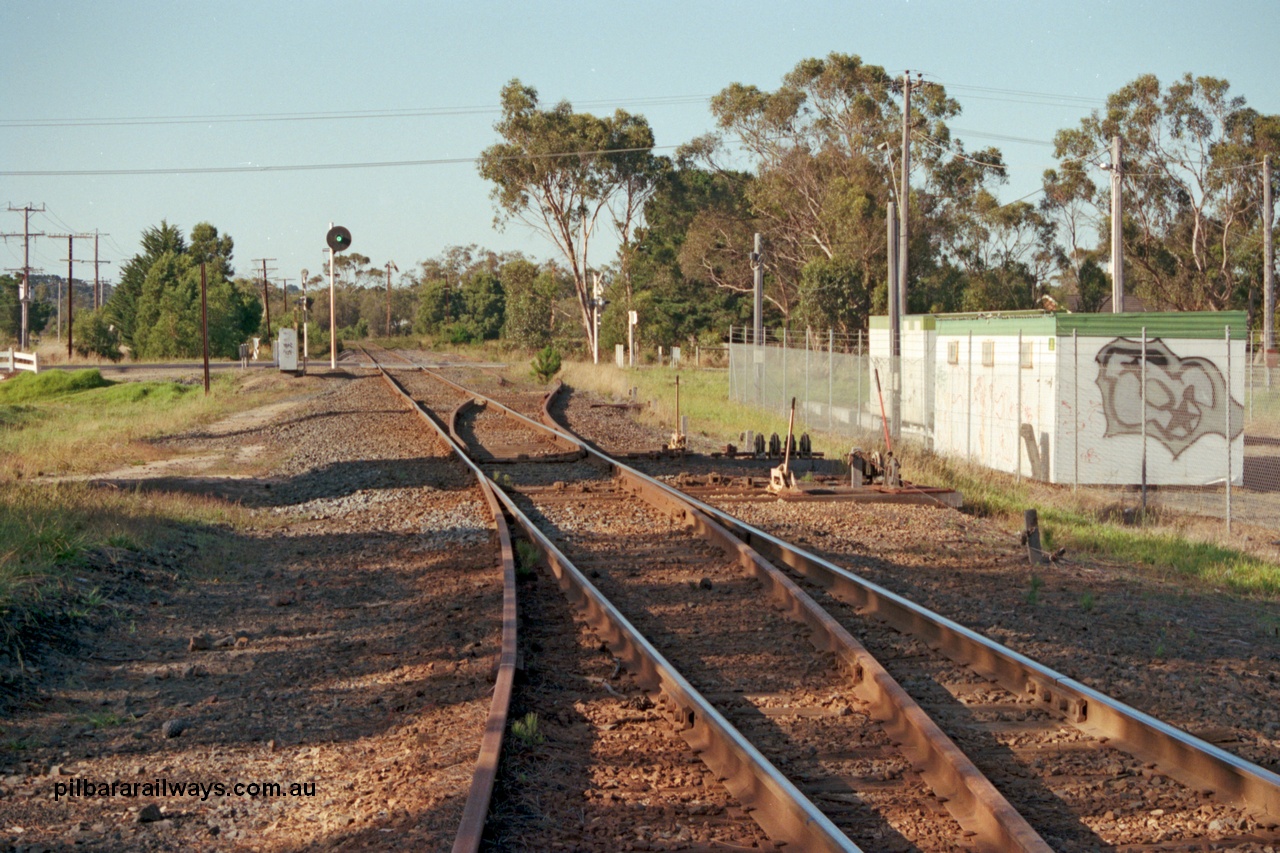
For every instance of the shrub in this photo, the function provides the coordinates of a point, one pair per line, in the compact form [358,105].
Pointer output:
[546,364]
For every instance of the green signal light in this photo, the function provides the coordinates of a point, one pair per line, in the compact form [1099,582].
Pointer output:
[338,238]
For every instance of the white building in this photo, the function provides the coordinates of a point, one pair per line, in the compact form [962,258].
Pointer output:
[1059,397]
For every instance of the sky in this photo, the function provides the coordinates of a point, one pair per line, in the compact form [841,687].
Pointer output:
[98,86]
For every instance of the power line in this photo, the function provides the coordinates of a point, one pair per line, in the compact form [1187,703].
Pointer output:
[413,112]
[312,167]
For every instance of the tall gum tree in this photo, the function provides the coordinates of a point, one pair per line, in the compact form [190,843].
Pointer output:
[826,145]
[562,172]
[1191,168]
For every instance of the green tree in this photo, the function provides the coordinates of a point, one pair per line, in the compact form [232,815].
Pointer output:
[1007,251]
[168,312]
[436,307]
[560,172]
[156,309]
[1092,286]
[38,313]
[95,336]
[833,295]
[1190,169]
[825,145]
[530,304]
[121,309]
[483,304]
[211,249]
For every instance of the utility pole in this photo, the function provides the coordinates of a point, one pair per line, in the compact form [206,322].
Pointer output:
[597,296]
[895,325]
[391,265]
[1268,265]
[284,298]
[71,286]
[904,200]
[1117,230]
[757,288]
[302,282]
[25,294]
[266,297]
[97,285]
[333,316]
[204,322]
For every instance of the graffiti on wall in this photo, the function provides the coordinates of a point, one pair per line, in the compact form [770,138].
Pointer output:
[1187,398]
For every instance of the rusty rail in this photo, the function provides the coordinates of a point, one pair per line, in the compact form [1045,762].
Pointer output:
[1192,761]
[775,803]
[966,792]
[475,811]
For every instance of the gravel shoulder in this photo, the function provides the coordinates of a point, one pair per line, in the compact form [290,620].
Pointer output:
[341,644]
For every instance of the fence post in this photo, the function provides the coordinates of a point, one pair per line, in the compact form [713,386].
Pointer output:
[968,415]
[1017,428]
[1228,408]
[784,367]
[730,351]
[831,378]
[806,376]
[1075,412]
[858,368]
[1144,424]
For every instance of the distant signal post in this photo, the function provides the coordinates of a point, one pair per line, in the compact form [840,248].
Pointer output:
[338,238]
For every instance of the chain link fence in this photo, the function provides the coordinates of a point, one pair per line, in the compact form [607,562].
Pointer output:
[1141,420]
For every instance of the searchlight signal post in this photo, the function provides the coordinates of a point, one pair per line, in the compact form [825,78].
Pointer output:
[338,239]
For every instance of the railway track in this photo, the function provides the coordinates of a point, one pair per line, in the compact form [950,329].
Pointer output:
[845,737]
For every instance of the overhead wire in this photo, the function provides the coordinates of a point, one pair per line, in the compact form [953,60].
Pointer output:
[341,115]
[311,167]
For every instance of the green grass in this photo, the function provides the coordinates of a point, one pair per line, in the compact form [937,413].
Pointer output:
[33,387]
[78,423]
[104,719]
[48,531]
[62,422]
[1079,521]
[526,730]
[527,556]
[704,399]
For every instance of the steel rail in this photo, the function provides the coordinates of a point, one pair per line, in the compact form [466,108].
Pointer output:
[769,796]
[964,790]
[1192,761]
[474,813]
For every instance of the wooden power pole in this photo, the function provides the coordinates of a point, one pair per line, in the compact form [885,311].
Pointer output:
[266,294]
[71,285]
[1117,230]
[24,340]
[1268,263]
[391,265]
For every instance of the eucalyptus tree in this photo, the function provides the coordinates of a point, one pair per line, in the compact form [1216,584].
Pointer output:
[561,172]
[1190,181]
[825,147]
